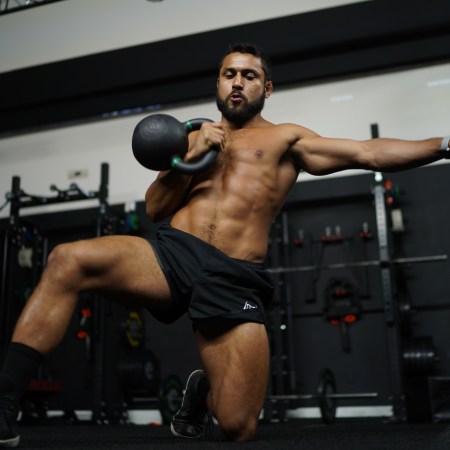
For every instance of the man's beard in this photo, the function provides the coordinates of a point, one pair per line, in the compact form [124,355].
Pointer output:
[244,112]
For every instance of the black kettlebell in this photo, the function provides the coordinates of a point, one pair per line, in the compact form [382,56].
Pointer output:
[160,142]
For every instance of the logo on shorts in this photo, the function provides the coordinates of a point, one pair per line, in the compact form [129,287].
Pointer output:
[249,306]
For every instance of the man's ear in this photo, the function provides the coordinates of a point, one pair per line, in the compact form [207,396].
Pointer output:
[268,88]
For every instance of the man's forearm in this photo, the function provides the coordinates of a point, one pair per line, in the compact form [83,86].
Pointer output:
[394,154]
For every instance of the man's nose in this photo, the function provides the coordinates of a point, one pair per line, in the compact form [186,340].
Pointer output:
[237,81]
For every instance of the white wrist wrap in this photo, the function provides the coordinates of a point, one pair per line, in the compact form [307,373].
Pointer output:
[445,147]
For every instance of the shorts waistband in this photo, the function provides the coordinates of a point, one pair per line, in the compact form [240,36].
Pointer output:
[245,262]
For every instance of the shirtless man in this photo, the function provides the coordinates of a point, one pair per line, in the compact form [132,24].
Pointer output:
[208,260]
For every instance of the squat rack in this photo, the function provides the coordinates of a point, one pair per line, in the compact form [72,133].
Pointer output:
[283,384]
[13,239]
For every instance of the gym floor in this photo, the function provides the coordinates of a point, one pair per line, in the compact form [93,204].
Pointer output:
[348,434]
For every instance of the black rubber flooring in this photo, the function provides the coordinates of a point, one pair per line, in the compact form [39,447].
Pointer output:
[294,434]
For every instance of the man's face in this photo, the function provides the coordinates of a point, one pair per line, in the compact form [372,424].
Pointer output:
[241,87]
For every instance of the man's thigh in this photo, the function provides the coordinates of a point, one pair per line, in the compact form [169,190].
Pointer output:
[236,360]
[123,267]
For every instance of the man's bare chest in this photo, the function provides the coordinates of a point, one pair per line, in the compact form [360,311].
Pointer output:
[249,147]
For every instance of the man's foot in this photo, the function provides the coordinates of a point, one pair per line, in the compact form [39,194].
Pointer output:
[188,421]
[9,409]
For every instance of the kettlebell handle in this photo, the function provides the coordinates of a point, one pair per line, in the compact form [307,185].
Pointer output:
[204,162]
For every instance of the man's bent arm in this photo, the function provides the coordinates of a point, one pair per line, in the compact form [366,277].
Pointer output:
[166,194]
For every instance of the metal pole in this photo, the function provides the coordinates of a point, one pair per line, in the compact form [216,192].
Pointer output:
[390,310]
[99,413]
[6,299]
[288,331]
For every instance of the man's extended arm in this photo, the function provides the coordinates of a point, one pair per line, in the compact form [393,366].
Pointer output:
[321,156]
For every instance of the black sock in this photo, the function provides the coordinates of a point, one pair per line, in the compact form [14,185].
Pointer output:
[21,365]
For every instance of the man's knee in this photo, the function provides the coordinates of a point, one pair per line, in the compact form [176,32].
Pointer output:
[238,427]
[64,265]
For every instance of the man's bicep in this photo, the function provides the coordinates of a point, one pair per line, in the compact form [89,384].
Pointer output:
[321,156]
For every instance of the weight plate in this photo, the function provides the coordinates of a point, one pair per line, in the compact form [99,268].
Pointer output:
[134,329]
[171,398]
[325,389]
[139,371]
[419,356]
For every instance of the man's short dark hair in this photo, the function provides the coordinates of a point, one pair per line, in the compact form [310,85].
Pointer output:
[252,49]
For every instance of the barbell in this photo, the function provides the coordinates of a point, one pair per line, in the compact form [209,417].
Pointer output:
[326,396]
[368,263]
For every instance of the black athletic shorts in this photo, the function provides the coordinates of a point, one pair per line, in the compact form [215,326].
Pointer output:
[207,283]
